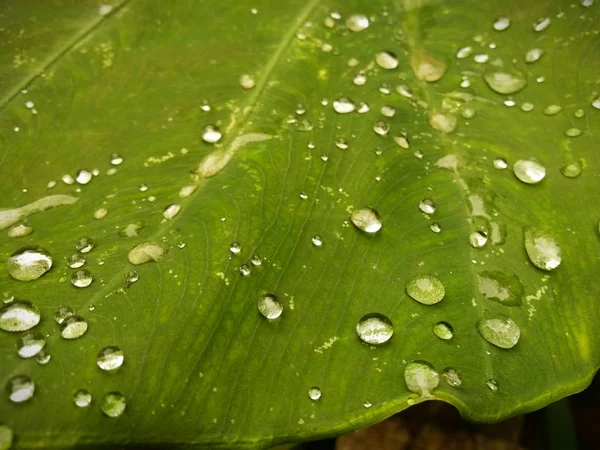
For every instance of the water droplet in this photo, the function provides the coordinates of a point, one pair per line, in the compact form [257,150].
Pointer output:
[30,344]
[499,330]
[83,176]
[533,55]
[529,171]
[245,270]
[82,398]
[404,91]
[427,67]
[28,263]
[386,60]
[68,179]
[300,109]
[146,252]
[341,143]
[596,103]
[367,404]
[572,170]
[357,22]
[20,230]
[211,134]
[500,163]
[541,24]
[421,377]
[256,260]
[43,358]
[478,239]
[501,23]
[527,107]
[426,289]
[481,58]
[247,81]
[542,249]
[443,122]
[270,306]
[573,132]
[374,329]
[343,105]
[435,227]
[132,229]
[116,159]
[113,404]
[314,393]
[505,82]
[62,313]
[381,128]
[110,358]
[363,108]
[552,110]
[75,261]
[388,111]
[317,240]
[82,278]
[464,52]
[492,385]
[452,377]
[359,79]
[19,315]
[579,113]
[171,211]
[235,248]
[366,219]
[73,327]
[84,245]
[402,141]
[143,187]
[100,213]
[443,330]
[427,206]
[6,437]
[467,113]
[20,388]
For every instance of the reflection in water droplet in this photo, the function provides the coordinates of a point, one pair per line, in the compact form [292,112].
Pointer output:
[19,315]
[572,170]
[73,327]
[343,105]
[386,60]
[501,23]
[270,306]
[426,289]
[505,82]
[314,393]
[529,171]
[421,377]
[82,278]
[113,404]
[427,206]
[110,358]
[75,261]
[84,245]
[500,287]
[317,240]
[533,55]
[28,263]
[542,249]
[381,128]
[374,329]
[357,22]
[500,164]
[82,398]
[443,330]
[62,313]
[30,344]
[499,330]
[478,239]
[551,110]
[452,377]
[20,388]
[492,385]
[366,219]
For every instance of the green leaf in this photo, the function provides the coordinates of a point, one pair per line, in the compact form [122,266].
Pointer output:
[202,367]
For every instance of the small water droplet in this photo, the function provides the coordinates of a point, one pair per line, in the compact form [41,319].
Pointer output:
[427,67]
[579,113]
[596,103]
[83,176]
[481,58]
[245,270]
[542,249]
[501,23]
[527,107]
[20,230]
[529,171]
[541,24]
[62,313]
[443,330]
[478,239]
[443,122]
[247,81]
[82,278]
[343,105]
[110,358]
[314,393]
[363,108]
[235,248]
[492,385]
[573,132]
[500,164]
[116,159]
[572,170]
[75,261]
[256,260]
[68,179]
[19,315]
[100,213]
[402,141]
[211,134]
[404,91]
[28,263]
[366,219]
[171,211]
[533,55]
[426,289]
[357,22]
[452,377]
[84,245]
[464,52]
[82,398]
[421,377]
[43,358]
[270,306]
[317,240]
[20,388]
[427,206]
[381,128]
[113,404]
[552,110]
[435,227]
[388,111]
[30,344]
[341,143]
[374,329]
[73,327]
[359,79]
[367,404]
[499,330]
[386,60]
[300,109]
[505,82]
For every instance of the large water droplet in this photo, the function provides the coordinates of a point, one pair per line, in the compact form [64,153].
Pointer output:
[270,306]
[500,287]
[443,330]
[505,82]
[113,404]
[386,60]
[30,344]
[421,377]
[20,388]
[366,219]
[427,206]
[499,330]
[529,171]
[28,263]
[542,249]
[343,105]
[81,278]
[73,327]
[375,329]
[452,377]
[19,315]
[82,398]
[314,393]
[357,22]
[110,358]
[84,245]
[211,134]
[426,289]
